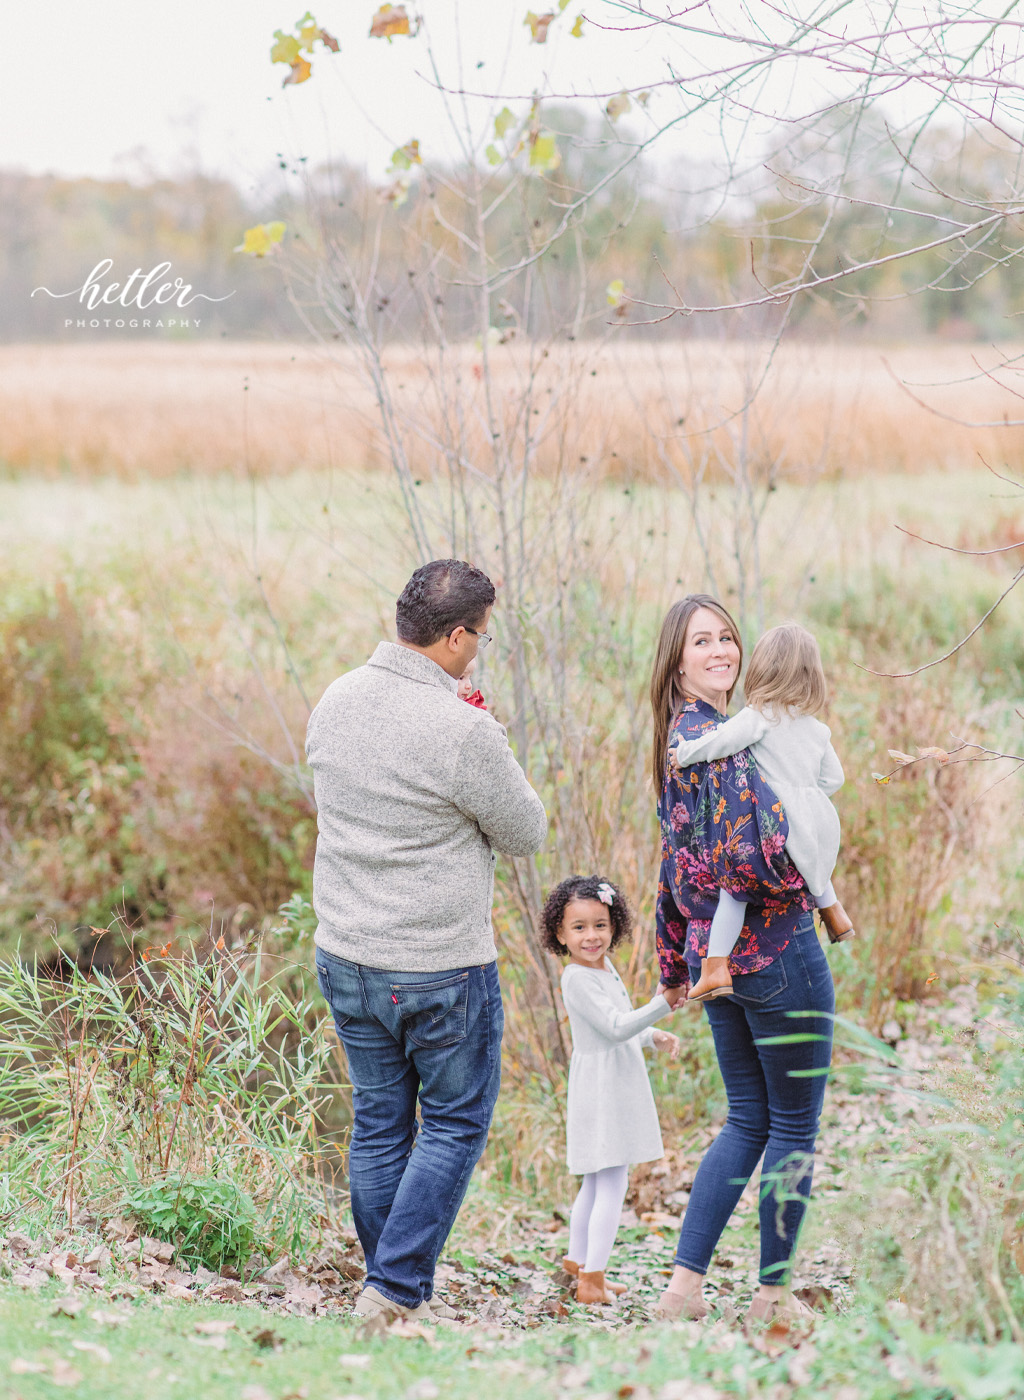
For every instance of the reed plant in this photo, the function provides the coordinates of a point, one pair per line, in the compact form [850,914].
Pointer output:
[180,1080]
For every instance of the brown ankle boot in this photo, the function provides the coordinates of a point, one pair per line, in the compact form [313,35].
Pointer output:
[836,923]
[592,1289]
[571,1267]
[715,980]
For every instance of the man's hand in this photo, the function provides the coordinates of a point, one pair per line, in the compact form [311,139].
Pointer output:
[665,1040]
[673,995]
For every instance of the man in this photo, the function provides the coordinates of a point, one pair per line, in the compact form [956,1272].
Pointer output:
[415,791]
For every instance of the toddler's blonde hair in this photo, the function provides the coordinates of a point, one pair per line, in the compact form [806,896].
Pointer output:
[785,674]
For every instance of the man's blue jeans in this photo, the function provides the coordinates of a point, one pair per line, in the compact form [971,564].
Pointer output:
[431,1035]
[773,1040]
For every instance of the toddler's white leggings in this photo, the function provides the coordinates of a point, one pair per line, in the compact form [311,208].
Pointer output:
[595,1217]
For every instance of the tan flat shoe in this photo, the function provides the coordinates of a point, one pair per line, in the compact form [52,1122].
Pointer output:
[773,1312]
[715,980]
[674,1305]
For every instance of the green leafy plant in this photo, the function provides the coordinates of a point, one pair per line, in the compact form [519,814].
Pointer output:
[209,1219]
[203,1070]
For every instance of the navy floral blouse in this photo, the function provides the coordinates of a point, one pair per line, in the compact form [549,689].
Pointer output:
[722,826]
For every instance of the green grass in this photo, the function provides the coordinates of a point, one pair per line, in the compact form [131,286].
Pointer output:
[156,1350]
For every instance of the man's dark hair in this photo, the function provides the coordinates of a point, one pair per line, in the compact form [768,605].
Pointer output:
[440,596]
[584,887]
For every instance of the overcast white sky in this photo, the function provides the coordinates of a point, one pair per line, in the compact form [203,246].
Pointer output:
[108,86]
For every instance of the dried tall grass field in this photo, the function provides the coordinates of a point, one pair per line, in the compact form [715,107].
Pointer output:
[194,540]
[630,410]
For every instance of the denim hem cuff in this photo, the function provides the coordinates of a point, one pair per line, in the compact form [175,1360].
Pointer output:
[390,1295]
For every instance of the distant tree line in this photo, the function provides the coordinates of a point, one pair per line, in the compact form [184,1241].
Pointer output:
[647,230]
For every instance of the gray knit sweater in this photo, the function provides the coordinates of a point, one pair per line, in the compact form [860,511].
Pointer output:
[415,790]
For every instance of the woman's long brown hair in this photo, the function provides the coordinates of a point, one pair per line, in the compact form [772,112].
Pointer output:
[667,692]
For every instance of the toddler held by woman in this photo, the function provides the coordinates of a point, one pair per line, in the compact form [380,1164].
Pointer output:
[611,1119]
[785,689]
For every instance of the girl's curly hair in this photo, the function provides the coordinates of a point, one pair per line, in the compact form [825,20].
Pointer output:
[584,887]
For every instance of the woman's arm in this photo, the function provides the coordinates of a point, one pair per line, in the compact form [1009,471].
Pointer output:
[586,997]
[670,936]
[830,775]
[726,739]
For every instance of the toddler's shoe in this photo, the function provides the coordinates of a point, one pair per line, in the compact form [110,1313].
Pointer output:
[836,923]
[591,1289]
[571,1267]
[715,980]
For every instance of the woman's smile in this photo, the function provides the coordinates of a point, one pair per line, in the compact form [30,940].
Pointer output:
[710,661]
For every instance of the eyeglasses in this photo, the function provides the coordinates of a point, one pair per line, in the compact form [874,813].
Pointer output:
[484,637]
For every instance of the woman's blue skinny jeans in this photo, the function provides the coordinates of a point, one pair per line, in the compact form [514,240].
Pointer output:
[775,1087]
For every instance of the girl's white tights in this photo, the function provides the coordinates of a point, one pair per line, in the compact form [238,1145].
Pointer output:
[731,914]
[595,1217]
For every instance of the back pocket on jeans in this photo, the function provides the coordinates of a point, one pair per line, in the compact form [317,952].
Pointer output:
[757,988]
[434,1013]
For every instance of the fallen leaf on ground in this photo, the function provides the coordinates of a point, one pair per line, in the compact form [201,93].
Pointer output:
[65,1374]
[214,1328]
[69,1306]
[25,1368]
[94,1349]
[353,1359]
[159,1250]
[108,1319]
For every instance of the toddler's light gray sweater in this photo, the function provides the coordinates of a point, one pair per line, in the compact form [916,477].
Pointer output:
[415,790]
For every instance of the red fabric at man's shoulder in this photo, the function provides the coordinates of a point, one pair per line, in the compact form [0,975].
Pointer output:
[476,699]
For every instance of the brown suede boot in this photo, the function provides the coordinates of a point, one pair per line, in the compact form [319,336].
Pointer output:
[571,1267]
[592,1289]
[836,923]
[715,980]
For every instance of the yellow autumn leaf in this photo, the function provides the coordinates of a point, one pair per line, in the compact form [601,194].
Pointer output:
[642,98]
[577,30]
[389,21]
[503,122]
[615,292]
[538,26]
[618,106]
[261,239]
[563,5]
[898,756]
[493,155]
[286,48]
[881,778]
[301,70]
[308,31]
[406,156]
[544,151]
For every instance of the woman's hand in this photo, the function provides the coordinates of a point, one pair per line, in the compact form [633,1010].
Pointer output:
[673,995]
[665,1040]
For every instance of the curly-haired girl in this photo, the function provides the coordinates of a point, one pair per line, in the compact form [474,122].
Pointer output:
[611,1119]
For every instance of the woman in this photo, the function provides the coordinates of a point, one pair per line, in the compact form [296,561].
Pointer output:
[782,986]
